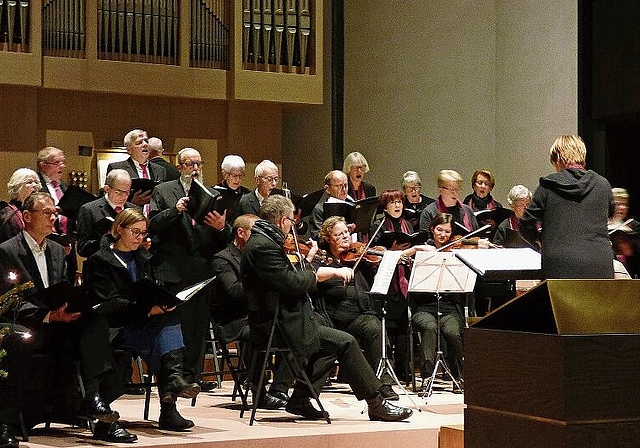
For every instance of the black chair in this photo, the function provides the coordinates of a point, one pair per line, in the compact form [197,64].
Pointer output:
[267,353]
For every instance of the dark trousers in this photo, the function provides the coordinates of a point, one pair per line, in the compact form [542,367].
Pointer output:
[194,319]
[336,344]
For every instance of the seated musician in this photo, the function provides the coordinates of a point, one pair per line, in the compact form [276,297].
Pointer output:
[349,306]
[519,198]
[336,184]
[154,333]
[448,201]
[414,200]
[21,184]
[61,336]
[355,167]
[116,187]
[229,308]
[425,309]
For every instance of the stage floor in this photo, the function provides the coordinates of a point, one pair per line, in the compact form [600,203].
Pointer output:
[218,424]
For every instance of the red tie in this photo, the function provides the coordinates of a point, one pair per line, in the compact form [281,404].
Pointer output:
[62,220]
[145,172]
[118,209]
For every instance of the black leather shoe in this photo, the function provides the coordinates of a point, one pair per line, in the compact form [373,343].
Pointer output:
[305,409]
[113,432]
[130,389]
[95,408]
[171,420]
[207,386]
[279,394]
[388,393]
[7,439]
[381,410]
[271,402]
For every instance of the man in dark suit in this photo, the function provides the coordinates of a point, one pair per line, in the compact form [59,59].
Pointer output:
[95,217]
[155,156]
[335,186]
[187,246]
[267,178]
[270,279]
[137,165]
[50,167]
[63,335]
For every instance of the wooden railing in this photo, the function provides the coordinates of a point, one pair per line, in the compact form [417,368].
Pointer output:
[14,26]
[278,35]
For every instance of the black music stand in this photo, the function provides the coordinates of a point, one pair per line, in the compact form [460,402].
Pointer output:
[438,272]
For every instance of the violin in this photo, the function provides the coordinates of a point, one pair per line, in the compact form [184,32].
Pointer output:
[294,252]
[468,242]
[372,255]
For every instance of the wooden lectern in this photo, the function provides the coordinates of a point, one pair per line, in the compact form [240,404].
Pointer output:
[556,367]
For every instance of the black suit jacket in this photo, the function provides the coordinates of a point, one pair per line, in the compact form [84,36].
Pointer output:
[156,172]
[89,236]
[249,203]
[16,256]
[188,248]
[172,171]
[230,300]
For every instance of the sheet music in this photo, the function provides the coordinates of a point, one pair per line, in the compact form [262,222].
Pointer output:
[521,259]
[385,272]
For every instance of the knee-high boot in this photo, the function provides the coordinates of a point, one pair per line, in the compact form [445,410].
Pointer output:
[171,380]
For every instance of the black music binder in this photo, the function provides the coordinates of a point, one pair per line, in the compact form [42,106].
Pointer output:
[53,297]
[359,212]
[142,185]
[203,201]
[64,239]
[72,199]
[388,237]
[307,202]
[147,293]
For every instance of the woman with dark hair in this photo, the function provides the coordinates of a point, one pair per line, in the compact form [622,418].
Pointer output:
[572,206]
[152,331]
[425,310]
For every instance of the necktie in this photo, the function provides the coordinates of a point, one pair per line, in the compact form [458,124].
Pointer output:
[118,209]
[145,175]
[62,220]
[145,171]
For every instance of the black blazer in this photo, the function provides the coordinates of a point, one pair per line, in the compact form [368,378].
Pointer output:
[16,256]
[230,301]
[156,172]
[172,171]
[188,248]
[249,203]
[88,236]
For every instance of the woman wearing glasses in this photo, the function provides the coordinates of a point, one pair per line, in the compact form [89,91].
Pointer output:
[449,184]
[22,183]
[152,332]
[414,200]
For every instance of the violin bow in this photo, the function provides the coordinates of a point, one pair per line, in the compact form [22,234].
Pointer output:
[481,229]
[368,245]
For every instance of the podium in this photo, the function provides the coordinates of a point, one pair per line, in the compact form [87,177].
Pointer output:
[556,367]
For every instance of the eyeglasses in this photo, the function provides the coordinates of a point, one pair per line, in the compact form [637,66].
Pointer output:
[47,212]
[57,163]
[417,188]
[340,186]
[291,220]
[453,190]
[359,167]
[116,190]
[137,233]
[235,176]
[189,163]
[270,179]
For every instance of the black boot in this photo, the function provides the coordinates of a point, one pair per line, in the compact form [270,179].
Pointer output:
[172,382]
[171,420]
[94,406]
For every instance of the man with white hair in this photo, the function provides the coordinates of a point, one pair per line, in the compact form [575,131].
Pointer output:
[266,175]
[187,248]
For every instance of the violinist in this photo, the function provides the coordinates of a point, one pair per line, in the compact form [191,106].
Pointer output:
[425,308]
[414,200]
[519,198]
[449,184]
[349,306]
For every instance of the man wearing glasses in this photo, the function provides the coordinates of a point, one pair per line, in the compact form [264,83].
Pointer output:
[336,185]
[58,334]
[95,218]
[267,179]
[50,167]
[186,247]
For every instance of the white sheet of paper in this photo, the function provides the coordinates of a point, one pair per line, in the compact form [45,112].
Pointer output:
[385,272]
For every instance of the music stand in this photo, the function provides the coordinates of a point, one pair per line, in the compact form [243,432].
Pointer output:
[438,272]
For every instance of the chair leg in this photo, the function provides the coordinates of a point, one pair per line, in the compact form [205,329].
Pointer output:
[23,427]
[144,378]
[258,392]
[298,371]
